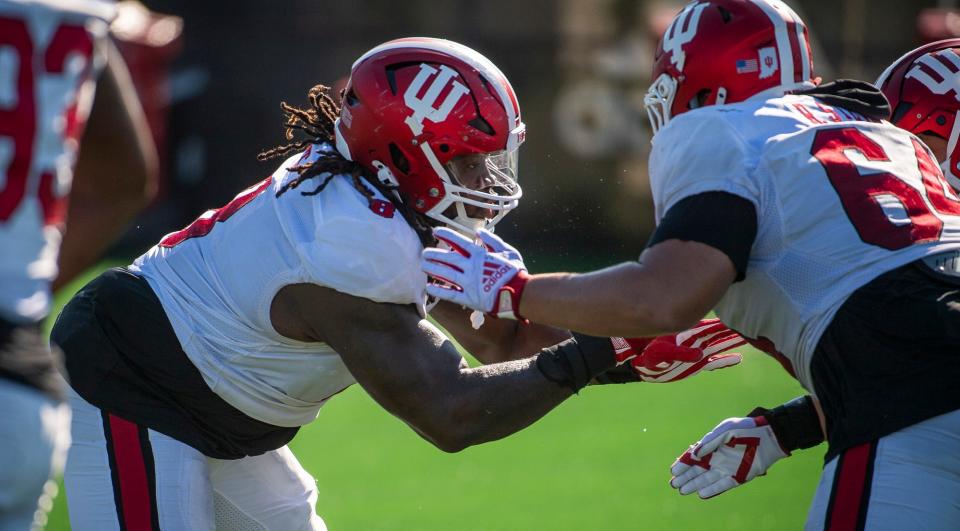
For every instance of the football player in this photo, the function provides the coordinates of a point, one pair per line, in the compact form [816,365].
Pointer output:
[922,88]
[194,367]
[51,56]
[817,229]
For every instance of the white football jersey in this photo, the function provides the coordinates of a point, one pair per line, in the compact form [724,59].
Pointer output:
[217,279]
[839,201]
[51,52]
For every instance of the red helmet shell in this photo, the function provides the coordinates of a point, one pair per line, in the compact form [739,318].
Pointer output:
[725,51]
[414,104]
[923,87]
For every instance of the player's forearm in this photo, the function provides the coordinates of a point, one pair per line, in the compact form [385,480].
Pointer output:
[673,286]
[494,401]
[617,301]
[497,340]
[490,402]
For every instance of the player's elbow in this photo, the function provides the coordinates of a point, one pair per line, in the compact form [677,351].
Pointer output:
[453,427]
[452,445]
[445,437]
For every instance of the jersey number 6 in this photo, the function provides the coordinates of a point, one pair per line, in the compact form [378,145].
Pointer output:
[864,196]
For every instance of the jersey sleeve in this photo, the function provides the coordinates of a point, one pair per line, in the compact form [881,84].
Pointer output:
[355,250]
[695,218]
[701,152]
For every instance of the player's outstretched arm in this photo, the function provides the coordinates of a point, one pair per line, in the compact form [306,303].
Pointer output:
[115,174]
[412,370]
[740,449]
[673,285]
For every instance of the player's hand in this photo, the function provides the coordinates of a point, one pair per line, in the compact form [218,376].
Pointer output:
[488,276]
[677,356]
[736,451]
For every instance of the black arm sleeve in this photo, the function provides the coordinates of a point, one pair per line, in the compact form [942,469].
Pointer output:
[724,221]
[796,423]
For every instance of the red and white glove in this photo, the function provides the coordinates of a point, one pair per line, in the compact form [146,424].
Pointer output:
[488,276]
[674,357]
[736,451]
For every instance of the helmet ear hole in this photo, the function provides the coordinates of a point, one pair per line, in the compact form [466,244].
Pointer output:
[699,100]
[480,124]
[400,161]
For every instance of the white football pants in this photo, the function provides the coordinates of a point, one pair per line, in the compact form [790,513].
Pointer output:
[909,479]
[124,477]
[34,436]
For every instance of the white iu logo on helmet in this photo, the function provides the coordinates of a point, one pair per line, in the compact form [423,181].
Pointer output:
[425,107]
[681,31]
[949,80]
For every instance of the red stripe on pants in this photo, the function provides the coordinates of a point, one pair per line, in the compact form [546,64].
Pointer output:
[849,488]
[132,475]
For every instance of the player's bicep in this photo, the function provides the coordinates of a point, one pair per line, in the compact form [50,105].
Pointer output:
[402,360]
[721,220]
[691,277]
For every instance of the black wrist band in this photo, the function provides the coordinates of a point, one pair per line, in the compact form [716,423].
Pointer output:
[620,374]
[796,423]
[576,361]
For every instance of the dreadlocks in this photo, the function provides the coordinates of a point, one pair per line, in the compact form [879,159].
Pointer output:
[316,124]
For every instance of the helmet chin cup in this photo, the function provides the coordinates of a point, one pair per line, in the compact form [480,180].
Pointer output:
[467,225]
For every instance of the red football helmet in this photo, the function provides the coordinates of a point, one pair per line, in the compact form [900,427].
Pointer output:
[923,87]
[725,51]
[412,106]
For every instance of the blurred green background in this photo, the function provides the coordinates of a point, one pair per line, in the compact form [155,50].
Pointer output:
[600,461]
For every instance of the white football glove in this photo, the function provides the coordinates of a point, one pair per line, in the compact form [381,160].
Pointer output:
[736,451]
[487,276]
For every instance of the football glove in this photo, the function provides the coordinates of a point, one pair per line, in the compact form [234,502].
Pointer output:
[488,276]
[740,449]
[674,357]
[736,451]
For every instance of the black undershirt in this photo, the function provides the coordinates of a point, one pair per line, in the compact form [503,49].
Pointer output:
[724,221]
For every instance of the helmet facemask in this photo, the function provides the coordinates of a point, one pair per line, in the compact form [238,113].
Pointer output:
[659,100]
[485,181]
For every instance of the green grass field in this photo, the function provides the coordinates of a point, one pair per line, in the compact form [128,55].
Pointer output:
[599,461]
